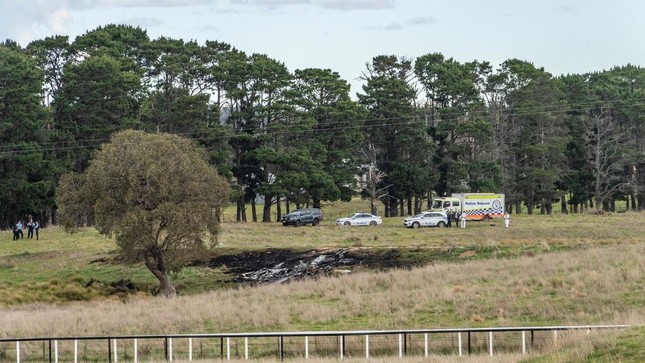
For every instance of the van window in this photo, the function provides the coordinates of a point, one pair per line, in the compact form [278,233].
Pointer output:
[446,204]
[455,203]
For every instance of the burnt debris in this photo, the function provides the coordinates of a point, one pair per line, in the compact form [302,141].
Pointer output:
[290,270]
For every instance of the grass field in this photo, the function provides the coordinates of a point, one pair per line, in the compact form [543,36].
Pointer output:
[561,269]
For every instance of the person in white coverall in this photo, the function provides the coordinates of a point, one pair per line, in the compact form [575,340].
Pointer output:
[463,220]
[507,219]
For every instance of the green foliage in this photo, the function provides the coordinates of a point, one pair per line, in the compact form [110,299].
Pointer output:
[156,193]
[25,175]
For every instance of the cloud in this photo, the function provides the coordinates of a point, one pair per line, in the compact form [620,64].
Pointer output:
[422,20]
[142,22]
[387,27]
[356,4]
[270,3]
[568,9]
[143,3]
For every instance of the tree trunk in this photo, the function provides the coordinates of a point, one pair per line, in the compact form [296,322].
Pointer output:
[156,266]
[254,211]
[373,208]
[563,205]
[241,210]
[266,210]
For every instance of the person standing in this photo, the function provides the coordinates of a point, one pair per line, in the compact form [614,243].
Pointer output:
[19,229]
[507,219]
[463,220]
[36,229]
[30,230]
[449,214]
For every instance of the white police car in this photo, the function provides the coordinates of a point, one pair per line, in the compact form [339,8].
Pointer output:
[427,219]
[359,219]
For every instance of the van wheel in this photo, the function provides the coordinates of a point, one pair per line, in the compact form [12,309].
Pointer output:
[416,225]
[315,222]
[298,223]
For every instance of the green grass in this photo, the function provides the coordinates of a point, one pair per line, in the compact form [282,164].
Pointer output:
[59,267]
[73,260]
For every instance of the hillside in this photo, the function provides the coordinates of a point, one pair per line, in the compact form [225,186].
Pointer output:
[580,269]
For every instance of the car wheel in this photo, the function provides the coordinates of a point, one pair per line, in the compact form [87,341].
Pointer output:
[441,224]
[298,223]
[315,222]
[347,223]
[372,223]
[416,225]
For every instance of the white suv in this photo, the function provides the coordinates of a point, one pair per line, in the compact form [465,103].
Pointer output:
[427,219]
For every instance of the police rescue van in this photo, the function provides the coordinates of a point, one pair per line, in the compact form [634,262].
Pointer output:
[478,206]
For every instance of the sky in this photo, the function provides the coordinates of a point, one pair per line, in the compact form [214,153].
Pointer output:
[562,36]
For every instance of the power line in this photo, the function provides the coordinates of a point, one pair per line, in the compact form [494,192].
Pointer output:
[67,145]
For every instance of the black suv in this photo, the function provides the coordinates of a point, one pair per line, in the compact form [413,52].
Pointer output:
[300,217]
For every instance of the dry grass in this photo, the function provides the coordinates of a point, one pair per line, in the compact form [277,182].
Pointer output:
[596,285]
[599,279]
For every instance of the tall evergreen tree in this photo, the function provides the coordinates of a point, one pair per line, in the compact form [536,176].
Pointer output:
[395,130]
[26,180]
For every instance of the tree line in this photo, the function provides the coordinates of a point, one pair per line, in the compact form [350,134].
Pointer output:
[419,127]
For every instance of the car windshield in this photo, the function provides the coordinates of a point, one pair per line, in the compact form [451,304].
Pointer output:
[293,214]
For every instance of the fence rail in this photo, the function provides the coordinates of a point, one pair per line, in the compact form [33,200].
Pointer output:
[281,345]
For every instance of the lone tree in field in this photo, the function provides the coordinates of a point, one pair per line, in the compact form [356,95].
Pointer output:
[155,193]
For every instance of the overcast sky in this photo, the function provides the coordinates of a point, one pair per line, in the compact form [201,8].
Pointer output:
[563,36]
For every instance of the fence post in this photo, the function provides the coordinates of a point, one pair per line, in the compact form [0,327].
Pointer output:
[50,351]
[459,342]
[75,351]
[342,347]
[109,350]
[56,351]
[170,349]
[523,342]
[405,344]
[306,347]
[280,343]
[116,354]
[17,351]
[246,348]
[469,347]
[490,343]
[190,349]
[425,343]
[367,346]
[228,348]
[165,348]
[135,350]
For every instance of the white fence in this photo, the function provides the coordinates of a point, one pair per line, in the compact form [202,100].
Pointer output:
[336,344]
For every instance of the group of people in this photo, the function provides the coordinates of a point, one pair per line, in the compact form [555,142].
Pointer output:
[458,217]
[31,228]
[461,218]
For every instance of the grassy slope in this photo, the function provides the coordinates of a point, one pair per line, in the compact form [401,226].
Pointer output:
[597,279]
